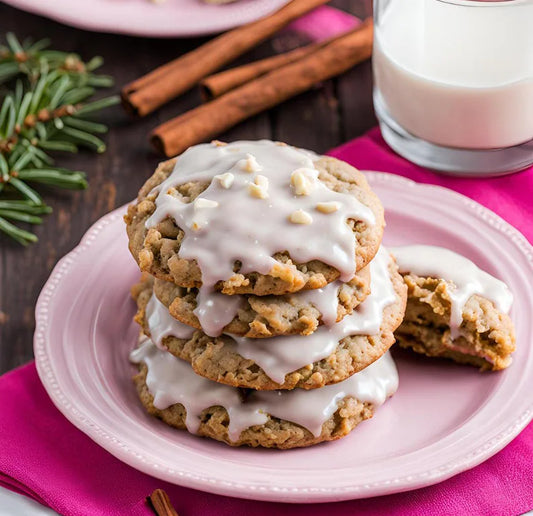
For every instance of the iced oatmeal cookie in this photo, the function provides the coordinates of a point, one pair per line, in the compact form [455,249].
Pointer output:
[254,218]
[171,391]
[264,316]
[329,355]
[454,309]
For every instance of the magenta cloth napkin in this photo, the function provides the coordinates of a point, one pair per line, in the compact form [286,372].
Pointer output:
[45,457]
[323,23]
[511,197]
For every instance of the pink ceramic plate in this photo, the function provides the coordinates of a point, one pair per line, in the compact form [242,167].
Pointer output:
[173,18]
[444,419]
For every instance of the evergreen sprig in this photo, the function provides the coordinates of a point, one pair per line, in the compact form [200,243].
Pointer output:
[47,109]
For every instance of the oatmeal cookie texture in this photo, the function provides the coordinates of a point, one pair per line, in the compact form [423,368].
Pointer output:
[275,433]
[287,420]
[264,316]
[267,303]
[297,206]
[309,362]
[454,309]
[486,336]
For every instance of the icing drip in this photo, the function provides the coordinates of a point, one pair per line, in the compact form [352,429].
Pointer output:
[325,300]
[215,310]
[172,381]
[279,356]
[312,408]
[256,210]
[465,277]
[162,324]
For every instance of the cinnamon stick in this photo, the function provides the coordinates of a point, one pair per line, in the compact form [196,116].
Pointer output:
[222,82]
[160,503]
[208,120]
[151,91]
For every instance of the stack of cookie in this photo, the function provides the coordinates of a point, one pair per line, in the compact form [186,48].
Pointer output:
[267,304]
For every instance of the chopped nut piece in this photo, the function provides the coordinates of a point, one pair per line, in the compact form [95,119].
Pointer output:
[195,226]
[201,202]
[300,217]
[261,181]
[225,180]
[259,188]
[327,207]
[302,182]
[250,164]
[257,191]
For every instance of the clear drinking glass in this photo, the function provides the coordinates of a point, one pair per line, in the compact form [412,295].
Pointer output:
[453,83]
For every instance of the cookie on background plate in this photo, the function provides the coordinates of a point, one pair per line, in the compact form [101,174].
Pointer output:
[454,309]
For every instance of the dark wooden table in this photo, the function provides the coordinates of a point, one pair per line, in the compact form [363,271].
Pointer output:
[331,114]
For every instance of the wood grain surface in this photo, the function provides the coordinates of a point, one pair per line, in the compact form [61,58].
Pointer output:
[331,114]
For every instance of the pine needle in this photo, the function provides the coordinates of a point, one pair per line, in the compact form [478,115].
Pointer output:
[48,107]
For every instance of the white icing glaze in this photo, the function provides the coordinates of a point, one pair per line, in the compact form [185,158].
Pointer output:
[252,229]
[162,324]
[279,356]
[312,408]
[172,381]
[465,276]
[215,310]
[325,300]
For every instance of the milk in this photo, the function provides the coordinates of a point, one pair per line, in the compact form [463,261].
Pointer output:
[458,75]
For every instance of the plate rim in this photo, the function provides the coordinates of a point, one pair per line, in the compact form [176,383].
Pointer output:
[470,459]
[48,10]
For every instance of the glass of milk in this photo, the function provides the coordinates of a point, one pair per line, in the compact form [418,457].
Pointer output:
[453,83]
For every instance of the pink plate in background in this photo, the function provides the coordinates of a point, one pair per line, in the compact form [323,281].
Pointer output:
[173,18]
[445,418]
